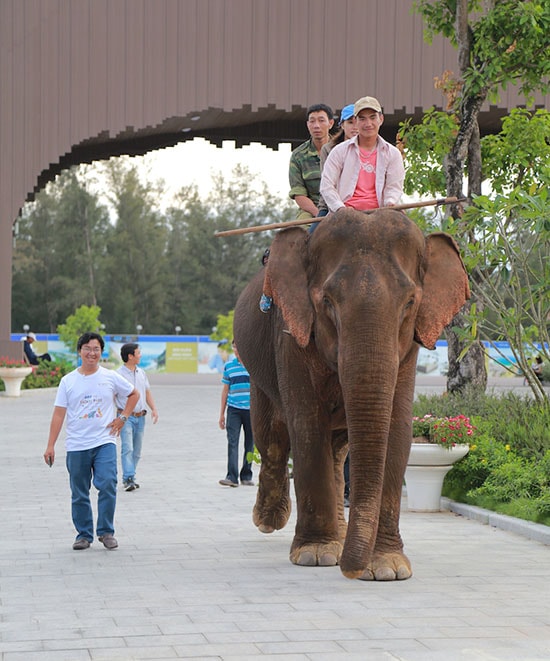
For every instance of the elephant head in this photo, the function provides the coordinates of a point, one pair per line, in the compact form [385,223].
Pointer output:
[444,282]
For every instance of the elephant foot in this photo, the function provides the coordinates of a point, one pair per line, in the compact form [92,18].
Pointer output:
[383,567]
[269,520]
[317,555]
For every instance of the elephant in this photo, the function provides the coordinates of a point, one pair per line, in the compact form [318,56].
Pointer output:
[332,366]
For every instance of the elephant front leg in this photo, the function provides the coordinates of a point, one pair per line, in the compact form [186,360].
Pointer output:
[318,540]
[389,562]
[273,506]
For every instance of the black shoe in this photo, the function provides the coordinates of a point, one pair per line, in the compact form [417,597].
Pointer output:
[80,544]
[130,484]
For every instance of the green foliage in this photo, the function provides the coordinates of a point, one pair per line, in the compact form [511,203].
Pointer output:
[46,374]
[508,42]
[499,43]
[84,320]
[139,263]
[472,471]
[135,254]
[519,156]
[207,273]
[510,262]
[59,250]
[505,238]
[426,145]
[519,487]
[224,327]
[508,466]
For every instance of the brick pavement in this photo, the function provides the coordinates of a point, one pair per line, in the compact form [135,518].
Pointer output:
[194,579]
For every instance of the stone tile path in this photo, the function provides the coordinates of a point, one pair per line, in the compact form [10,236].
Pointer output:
[194,579]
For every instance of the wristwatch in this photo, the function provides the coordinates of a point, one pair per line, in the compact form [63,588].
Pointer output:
[123,418]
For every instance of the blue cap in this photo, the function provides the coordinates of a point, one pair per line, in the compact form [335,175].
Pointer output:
[347,113]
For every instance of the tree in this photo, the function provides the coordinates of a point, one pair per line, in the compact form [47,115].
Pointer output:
[508,255]
[133,284]
[499,42]
[141,265]
[224,327]
[84,320]
[207,273]
[511,254]
[59,251]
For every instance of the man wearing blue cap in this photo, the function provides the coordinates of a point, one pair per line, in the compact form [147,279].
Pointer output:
[348,130]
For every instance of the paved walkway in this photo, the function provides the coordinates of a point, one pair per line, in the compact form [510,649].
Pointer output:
[194,579]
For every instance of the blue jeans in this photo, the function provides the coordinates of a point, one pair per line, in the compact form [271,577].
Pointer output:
[237,418]
[322,213]
[98,463]
[131,440]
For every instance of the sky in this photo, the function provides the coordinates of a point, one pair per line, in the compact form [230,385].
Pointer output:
[195,161]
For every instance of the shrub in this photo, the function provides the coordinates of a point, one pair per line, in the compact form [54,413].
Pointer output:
[46,374]
[508,467]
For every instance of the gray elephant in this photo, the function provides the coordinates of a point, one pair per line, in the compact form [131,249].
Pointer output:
[333,362]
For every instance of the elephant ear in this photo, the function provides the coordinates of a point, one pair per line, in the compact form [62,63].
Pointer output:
[445,288]
[286,280]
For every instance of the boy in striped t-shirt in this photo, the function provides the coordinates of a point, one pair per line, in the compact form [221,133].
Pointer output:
[236,398]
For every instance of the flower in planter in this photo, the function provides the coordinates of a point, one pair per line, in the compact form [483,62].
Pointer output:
[446,432]
[11,362]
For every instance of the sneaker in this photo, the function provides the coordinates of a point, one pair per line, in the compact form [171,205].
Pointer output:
[227,483]
[80,544]
[130,485]
[108,541]
[247,483]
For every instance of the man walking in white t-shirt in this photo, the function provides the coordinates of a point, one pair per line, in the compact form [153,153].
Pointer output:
[86,396]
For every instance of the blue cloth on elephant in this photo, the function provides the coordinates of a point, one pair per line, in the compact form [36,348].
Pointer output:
[265,303]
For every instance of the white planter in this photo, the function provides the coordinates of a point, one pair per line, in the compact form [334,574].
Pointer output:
[13,378]
[426,469]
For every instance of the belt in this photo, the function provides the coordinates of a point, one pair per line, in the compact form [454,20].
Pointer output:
[136,414]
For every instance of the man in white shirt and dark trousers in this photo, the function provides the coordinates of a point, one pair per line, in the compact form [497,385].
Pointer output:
[131,434]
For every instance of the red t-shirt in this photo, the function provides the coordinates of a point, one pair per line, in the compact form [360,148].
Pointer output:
[364,196]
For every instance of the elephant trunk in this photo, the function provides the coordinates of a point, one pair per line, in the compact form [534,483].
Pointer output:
[368,393]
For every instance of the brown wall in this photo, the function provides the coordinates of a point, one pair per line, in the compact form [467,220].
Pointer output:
[87,79]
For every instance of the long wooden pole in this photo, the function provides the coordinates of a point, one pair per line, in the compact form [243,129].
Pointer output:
[308,221]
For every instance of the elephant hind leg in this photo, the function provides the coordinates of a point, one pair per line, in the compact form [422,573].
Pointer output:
[340,451]
[273,505]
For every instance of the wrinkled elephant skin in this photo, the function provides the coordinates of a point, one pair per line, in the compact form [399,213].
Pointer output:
[333,362]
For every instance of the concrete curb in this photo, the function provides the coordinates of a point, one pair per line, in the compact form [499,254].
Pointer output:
[535,531]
